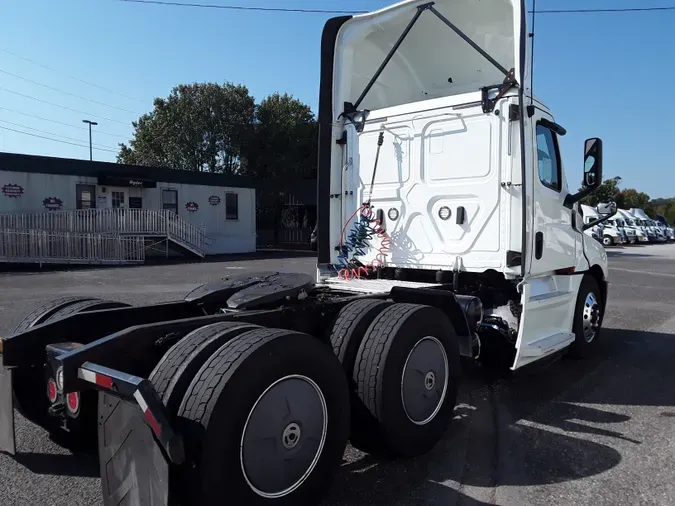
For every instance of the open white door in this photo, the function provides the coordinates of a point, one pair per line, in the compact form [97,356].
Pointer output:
[548,292]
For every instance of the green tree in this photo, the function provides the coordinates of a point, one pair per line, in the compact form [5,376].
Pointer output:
[199,127]
[631,198]
[284,144]
[606,192]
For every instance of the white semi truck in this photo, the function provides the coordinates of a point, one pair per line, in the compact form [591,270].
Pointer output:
[612,232]
[446,228]
[631,224]
[649,225]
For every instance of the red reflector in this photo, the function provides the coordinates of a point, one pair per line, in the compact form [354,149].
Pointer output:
[51,390]
[566,270]
[104,381]
[154,425]
[73,402]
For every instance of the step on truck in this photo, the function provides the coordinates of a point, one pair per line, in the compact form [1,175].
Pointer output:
[446,229]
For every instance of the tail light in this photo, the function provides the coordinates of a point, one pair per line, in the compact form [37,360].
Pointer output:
[52,391]
[73,403]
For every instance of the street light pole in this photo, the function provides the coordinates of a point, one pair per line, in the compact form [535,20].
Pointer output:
[90,123]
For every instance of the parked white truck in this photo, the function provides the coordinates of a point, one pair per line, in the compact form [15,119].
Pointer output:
[655,233]
[612,234]
[446,228]
[631,224]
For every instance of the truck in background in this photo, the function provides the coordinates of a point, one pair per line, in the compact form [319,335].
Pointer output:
[631,224]
[611,233]
[655,233]
[667,228]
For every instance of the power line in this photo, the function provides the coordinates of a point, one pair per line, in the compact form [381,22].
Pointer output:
[52,133]
[62,123]
[69,93]
[55,140]
[63,106]
[242,8]
[68,75]
[330,11]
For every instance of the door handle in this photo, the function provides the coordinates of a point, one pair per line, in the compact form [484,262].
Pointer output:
[538,245]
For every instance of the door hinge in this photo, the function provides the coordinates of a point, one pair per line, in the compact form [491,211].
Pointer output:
[514,112]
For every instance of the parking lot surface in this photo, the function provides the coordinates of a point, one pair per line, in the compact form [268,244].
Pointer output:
[595,432]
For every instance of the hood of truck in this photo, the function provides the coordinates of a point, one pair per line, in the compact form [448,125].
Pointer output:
[433,61]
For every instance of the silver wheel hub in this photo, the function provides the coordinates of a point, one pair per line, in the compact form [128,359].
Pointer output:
[291,436]
[429,380]
[591,317]
[424,382]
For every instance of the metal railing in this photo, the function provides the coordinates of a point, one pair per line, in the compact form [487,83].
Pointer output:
[111,221]
[41,246]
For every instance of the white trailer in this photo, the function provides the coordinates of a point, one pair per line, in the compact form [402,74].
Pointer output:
[446,228]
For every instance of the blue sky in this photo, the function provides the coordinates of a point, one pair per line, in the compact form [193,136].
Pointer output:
[606,75]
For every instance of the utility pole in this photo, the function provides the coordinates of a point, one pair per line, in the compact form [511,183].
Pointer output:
[90,123]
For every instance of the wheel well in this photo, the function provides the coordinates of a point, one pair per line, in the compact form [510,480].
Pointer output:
[596,272]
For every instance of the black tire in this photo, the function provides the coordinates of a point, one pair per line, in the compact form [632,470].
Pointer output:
[30,398]
[172,376]
[214,420]
[346,334]
[592,314]
[83,307]
[401,333]
[350,326]
[41,313]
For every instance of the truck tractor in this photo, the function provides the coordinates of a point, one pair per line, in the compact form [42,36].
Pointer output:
[446,229]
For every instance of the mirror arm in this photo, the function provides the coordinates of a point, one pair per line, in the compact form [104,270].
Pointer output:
[573,198]
[598,221]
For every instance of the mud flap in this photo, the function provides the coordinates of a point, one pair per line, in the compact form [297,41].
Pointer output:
[134,470]
[7,435]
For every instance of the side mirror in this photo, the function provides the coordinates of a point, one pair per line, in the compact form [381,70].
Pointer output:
[606,211]
[606,208]
[592,171]
[592,163]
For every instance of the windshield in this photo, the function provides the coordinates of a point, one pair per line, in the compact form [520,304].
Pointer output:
[621,223]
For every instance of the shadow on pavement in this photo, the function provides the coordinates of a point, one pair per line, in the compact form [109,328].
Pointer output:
[527,429]
[60,465]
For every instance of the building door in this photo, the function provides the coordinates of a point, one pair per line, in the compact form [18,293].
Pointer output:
[85,196]
[118,198]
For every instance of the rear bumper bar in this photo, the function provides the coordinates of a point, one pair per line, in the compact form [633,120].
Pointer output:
[140,390]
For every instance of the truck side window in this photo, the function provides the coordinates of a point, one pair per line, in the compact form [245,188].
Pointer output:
[548,158]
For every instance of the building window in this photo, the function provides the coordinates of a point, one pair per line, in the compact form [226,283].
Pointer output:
[548,158]
[85,196]
[170,200]
[231,206]
[117,199]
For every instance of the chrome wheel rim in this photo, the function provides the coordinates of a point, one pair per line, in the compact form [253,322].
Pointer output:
[424,382]
[591,317]
[284,436]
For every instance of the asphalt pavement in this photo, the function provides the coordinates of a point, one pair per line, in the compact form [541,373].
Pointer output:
[594,432]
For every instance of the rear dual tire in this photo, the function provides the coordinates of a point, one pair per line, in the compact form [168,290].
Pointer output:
[403,361]
[248,402]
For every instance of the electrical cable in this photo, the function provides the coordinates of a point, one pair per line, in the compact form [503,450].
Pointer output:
[69,76]
[53,134]
[68,93]
[55,140]
[330,11]
[63,106]
[62,123]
